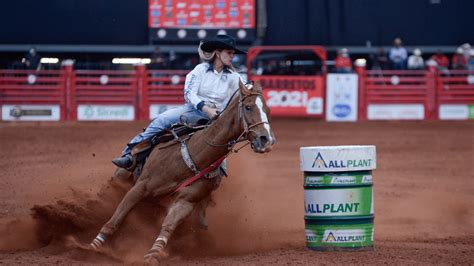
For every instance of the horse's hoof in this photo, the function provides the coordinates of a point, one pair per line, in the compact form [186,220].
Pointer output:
[153,257]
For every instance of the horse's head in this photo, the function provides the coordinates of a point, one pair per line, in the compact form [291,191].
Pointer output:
[254,113]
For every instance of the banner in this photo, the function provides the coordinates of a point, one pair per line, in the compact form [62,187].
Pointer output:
[300,96]
[25,112]
[396,112]
[456,111]
[193,14]
[341,97]
[105,113]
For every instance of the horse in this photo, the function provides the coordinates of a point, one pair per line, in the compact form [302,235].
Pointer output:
[245,118]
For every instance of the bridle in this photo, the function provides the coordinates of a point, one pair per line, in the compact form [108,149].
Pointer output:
[247,127]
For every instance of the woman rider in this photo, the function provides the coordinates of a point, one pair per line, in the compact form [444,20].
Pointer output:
[207,90]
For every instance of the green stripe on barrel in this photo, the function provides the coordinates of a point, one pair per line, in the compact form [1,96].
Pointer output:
[338,202]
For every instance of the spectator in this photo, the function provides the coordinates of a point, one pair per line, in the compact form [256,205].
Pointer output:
[32,60]
[398,55]
[343,63]
[157,59]
[379,60]
[466,49]
[470,61]
[415,61]
[458,61]
[441,60]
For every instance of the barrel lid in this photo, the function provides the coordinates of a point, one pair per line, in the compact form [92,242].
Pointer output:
[337,158]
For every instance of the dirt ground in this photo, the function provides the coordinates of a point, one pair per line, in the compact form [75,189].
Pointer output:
[55,193]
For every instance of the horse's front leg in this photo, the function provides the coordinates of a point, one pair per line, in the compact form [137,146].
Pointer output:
[179,210]
[133,196]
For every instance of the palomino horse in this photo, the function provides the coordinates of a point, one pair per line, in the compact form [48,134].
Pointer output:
[245,118]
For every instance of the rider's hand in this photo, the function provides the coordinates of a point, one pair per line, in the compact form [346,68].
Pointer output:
[211,112]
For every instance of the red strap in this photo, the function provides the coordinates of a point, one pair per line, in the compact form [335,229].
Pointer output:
[200,174]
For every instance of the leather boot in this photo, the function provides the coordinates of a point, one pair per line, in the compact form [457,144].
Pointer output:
[123,162]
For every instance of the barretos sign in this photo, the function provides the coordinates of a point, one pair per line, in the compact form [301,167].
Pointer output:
[293,96]
[31,112]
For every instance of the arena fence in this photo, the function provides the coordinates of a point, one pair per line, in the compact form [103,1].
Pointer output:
[69,94]
[103,95]
[387,94]
[161,90]
[455,94]
[33,95]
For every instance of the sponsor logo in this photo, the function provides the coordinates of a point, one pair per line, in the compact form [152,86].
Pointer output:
[311,236]
[332,208]
[367,179]
[341,110]
[344,236]
[343,180]
[314,180]
[18,112]
[319,162]
[330,238]
[105,112]
[288,84]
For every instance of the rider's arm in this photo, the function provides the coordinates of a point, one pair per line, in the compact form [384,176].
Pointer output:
[191,86]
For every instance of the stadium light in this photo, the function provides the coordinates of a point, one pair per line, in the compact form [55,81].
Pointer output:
[49,60]
[131,61]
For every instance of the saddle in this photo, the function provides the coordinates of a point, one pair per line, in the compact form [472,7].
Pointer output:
[169,137]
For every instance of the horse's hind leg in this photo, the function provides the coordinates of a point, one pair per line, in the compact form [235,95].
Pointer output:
[133,196]
[179,210]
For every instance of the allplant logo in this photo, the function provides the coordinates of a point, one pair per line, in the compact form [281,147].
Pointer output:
[319,161]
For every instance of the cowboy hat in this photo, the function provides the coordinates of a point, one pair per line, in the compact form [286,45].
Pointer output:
[220,41]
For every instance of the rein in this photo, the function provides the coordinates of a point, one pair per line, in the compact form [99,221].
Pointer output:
[230,145]
[247,128]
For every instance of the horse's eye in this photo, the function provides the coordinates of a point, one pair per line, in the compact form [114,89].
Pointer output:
[248,108]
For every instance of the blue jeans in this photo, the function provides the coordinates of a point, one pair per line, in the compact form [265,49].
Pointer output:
[185,114]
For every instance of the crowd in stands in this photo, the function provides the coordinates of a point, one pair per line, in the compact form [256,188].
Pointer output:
[398,58]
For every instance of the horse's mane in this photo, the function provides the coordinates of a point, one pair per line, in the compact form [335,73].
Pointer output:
[228,102]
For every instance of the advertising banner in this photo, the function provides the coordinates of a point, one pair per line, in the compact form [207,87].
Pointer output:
[341,97]
[192,14]
[396,112]
[23,112]
[338,202]
[337,158]
[300,96]
[105,113]
[343,236]
[456,111]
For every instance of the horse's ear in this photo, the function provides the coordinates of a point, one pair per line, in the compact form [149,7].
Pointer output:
[243,88]
[257,87]
[250,87]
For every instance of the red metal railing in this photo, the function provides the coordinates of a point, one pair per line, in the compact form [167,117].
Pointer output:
[394,89]
[30,87]
[138,90]
[95,88]
[455,94]
[160,87]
